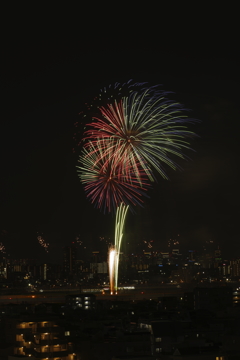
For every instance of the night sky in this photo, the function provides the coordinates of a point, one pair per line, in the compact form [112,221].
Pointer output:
[46,82]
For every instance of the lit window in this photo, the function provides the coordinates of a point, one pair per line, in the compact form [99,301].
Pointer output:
[158,339]
[67,333]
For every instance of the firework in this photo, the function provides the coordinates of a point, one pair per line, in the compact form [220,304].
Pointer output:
[134,132]
[106,95]
[2,248]
[146,130]
[43,243]
[105,184]
[3,239]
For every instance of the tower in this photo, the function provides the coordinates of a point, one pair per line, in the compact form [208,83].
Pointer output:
[70,261]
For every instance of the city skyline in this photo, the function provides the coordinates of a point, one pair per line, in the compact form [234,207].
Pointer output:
[146,265]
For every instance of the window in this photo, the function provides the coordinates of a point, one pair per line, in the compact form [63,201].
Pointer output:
[67,333]
[56,348]
[158,339]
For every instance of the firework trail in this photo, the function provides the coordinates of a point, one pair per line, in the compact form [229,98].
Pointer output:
[111,266]
[134,131]
[119,226]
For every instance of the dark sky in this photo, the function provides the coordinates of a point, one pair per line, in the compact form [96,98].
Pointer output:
[46,81]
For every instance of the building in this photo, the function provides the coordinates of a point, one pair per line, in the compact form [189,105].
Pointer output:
[39,337]
[235,268]
[165,336]
[70,261]
[214,298]
[3,268]
[84,301]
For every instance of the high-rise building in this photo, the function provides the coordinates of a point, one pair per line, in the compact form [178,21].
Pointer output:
[70,261]
[3,268]
[235,267]
[226,269]
[218,254]
[44,271]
